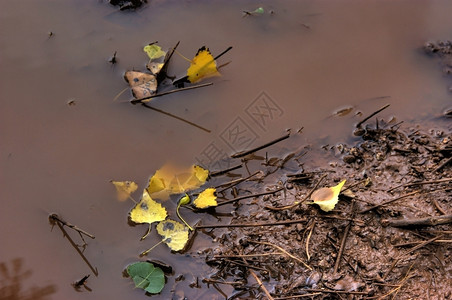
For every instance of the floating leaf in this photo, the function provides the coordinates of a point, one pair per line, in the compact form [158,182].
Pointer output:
[206,199]
[154,51]
[259,10]
[202,66]
[174,234]
[124,189]
[147,210]
[147,277]
[156,58]
[142,84]
[173,180]
[327,198]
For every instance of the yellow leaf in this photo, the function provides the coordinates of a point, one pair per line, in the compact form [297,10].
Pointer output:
[147,210]
[124,189]
[174,180]
[327,198]
[174,234]
[202,66]
[206,199]
[142,84]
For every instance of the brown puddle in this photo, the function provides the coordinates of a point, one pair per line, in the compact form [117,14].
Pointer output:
[298,66]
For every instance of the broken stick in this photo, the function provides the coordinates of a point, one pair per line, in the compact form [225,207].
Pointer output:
[429,221]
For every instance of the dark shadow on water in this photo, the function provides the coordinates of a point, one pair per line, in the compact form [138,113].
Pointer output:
[12,279]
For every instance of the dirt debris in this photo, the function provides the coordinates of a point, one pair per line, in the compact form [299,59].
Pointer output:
[391,174]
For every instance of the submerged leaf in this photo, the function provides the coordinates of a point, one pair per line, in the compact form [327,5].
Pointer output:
[327,198]
[124,189]
[174,234]
[206,199]
[147,210]
[147,277]
[202,66]
[173,180]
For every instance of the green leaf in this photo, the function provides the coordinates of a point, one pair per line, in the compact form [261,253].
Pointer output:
[259,10]
[147,277]
[154,51]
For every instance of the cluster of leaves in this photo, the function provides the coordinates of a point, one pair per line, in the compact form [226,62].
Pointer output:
[145,85]
[167,181]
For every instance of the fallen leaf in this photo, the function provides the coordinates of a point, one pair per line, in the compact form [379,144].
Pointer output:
[327,198]
[174,180]
[174,234]
[202,66]
[124,189]
[142,84]
[154,51]
[156,58]
[206,199]
[147,277]
[147,210]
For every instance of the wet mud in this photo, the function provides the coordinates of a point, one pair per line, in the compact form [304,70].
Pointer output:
[389,235]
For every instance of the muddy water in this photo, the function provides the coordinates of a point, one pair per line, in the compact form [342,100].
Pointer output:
[297,67]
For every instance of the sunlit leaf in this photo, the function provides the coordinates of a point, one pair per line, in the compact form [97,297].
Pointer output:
[147,210]
[202,66]
[174,234]
[142,84]
[174,180]
[147,277]
[206,199]
[327,198]
[124,189]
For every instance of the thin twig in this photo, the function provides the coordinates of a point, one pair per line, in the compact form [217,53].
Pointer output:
[244,153]
[247,255]
[409,251]
[287,222]
[261,285]
[417,243]
[141,100]
[344,239]
[245,265]
[296,203]
[335,292]
[429,221]
[74,245]
[207,280]
[421,183]
[298,296]
[308,239]
[176,117]
[443,164]
[388,201]
[55,217]
[371,115]
[218,173]
[230,184]
[438,207]
[249,196]
[284,251]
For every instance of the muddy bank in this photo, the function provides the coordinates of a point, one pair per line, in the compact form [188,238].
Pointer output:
[389,234]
